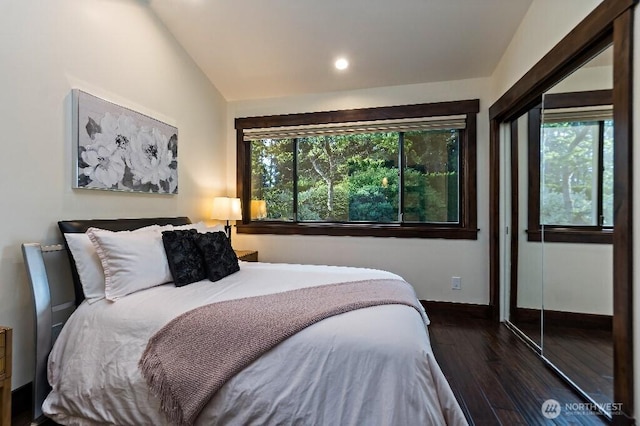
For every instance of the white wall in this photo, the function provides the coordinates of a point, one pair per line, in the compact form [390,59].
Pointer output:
[428,264]
[114,49]
[589,78]
[544,25]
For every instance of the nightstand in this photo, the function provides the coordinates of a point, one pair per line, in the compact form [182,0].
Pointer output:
[6,335]
[247,255]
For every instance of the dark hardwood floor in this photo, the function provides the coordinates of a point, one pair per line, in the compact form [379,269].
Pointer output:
[584,354]
[496,378]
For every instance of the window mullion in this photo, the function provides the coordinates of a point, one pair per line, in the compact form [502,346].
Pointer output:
[600,178]
[401,166]
[295,179]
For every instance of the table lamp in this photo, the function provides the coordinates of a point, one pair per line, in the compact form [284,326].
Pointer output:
[225,208]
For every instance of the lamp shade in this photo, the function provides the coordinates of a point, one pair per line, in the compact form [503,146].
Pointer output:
[225,208]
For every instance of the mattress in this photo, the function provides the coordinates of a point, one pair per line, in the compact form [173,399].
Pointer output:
[370,366]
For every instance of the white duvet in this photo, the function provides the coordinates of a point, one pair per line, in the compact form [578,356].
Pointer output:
[370,366]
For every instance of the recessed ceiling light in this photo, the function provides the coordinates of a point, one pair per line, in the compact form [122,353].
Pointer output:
[342,64]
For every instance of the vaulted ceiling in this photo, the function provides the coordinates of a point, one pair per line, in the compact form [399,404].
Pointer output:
[270,48]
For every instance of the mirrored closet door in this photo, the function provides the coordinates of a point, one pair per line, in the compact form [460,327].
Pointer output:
[576,226]
[561,208]
[526,290]
[561,180]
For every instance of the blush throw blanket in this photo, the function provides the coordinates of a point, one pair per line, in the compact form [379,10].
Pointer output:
[193,356]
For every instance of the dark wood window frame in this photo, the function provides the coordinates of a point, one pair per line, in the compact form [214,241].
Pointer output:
[466,228]
[561,233]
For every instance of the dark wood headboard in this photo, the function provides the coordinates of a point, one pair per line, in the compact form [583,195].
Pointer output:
[81,226]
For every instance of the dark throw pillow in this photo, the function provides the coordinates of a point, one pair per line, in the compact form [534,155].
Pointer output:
[219,258]
[185,259]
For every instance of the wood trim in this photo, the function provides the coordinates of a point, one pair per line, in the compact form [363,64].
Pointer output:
[465,229]
[600,168]
[469,187]
[526,315]
[587,38]
[563,319]
[571,235]
[578,99]
[494,217]
[435,109]
[359,230]
[623,216]
[21,398]
[5,377]
[533,173]
[243,183]
[457,309]
[515,220]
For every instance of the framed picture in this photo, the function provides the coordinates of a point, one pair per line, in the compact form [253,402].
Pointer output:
[118,149]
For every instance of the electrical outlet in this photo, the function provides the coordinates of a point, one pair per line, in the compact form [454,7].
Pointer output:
[456,283]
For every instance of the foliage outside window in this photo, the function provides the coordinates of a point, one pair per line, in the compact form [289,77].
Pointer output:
[363,176]
[572,180]
[356,178]
[575,163]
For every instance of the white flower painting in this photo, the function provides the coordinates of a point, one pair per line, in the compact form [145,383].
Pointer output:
[122,150]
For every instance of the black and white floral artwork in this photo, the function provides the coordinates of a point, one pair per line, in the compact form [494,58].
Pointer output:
[122,150]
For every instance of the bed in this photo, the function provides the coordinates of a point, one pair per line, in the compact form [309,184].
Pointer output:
[370,366]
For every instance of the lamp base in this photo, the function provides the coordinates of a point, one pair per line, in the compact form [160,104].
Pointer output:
[227,230]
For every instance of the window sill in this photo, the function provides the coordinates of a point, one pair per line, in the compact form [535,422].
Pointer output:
[572,235]
[359,230]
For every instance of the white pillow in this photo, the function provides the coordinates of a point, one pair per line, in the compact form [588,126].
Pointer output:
[88,266]
[132,261]
[88,263]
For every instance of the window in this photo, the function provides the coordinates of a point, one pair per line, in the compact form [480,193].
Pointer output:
[356,178]
[573,157]
[406,171]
